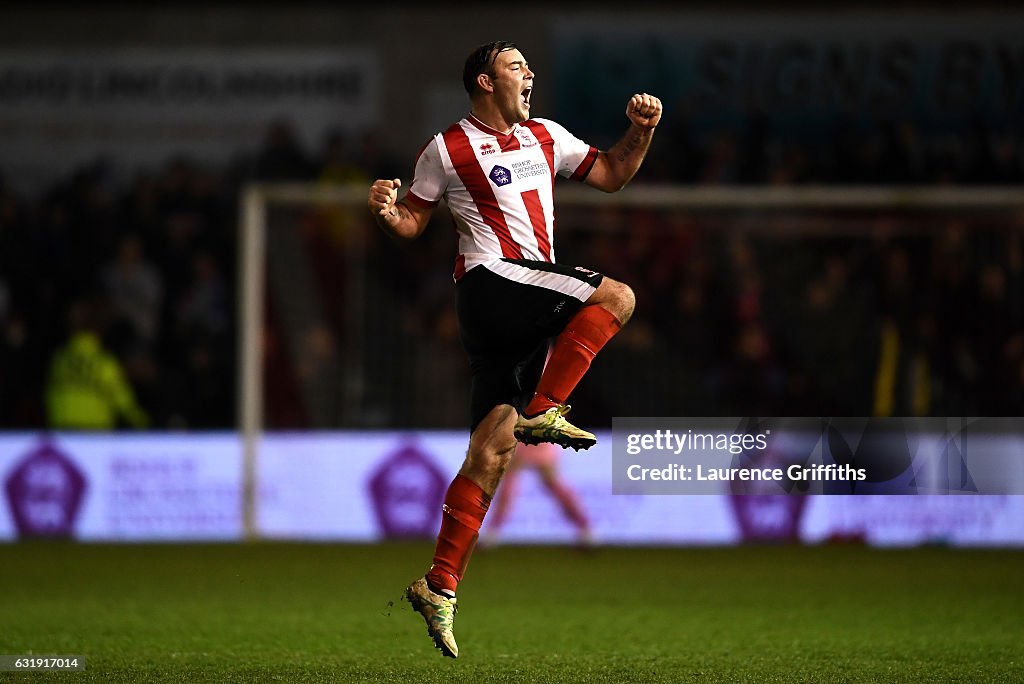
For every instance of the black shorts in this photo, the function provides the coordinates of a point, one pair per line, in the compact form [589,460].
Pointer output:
[508,312]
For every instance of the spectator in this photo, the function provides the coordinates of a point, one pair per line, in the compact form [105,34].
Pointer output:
[87,388]
[135,290]
[282,157]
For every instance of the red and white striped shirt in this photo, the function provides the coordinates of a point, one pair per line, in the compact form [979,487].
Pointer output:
[499,187]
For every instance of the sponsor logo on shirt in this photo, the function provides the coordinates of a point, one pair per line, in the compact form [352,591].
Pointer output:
[500,176]
[487,148]
[530,168]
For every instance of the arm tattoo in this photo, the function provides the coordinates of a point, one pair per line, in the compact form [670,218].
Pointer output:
[629,146]
[397,213]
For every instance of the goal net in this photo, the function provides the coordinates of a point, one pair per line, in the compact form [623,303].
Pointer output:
[750,301]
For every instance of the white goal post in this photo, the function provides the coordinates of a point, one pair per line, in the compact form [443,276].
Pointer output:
[256,199]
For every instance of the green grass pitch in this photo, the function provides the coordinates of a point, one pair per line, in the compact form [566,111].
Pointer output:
[272,612]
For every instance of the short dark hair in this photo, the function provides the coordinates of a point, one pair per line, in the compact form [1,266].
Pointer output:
[481,61]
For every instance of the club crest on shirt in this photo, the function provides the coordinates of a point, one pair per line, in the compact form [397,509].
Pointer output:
[500,176]
[526,138]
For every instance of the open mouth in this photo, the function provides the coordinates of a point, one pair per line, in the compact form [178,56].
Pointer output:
[526,96]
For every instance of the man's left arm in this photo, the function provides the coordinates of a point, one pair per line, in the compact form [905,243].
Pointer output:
[615,168]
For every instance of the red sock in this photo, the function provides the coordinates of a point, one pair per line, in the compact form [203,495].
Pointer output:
[465,506]
[574,349]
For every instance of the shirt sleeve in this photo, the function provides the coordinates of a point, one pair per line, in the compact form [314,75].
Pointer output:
[121,396]
[430,181]
[573,157]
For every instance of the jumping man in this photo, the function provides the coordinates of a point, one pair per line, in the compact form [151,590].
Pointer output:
[496,170]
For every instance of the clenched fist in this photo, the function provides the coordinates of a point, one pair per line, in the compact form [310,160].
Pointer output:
[644,110]
[383,195]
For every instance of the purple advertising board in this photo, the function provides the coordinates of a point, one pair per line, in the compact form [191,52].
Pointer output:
[44,493]
[370,486]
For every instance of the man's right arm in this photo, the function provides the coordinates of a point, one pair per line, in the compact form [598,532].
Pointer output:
[399,218]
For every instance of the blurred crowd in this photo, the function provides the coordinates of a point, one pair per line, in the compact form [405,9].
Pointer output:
[896,152]
[848,315]
[145,267]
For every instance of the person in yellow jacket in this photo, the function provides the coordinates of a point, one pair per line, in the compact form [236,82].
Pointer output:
[87,387]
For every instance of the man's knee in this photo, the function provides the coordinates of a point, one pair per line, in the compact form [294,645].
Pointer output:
[627,300]
[616,297]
